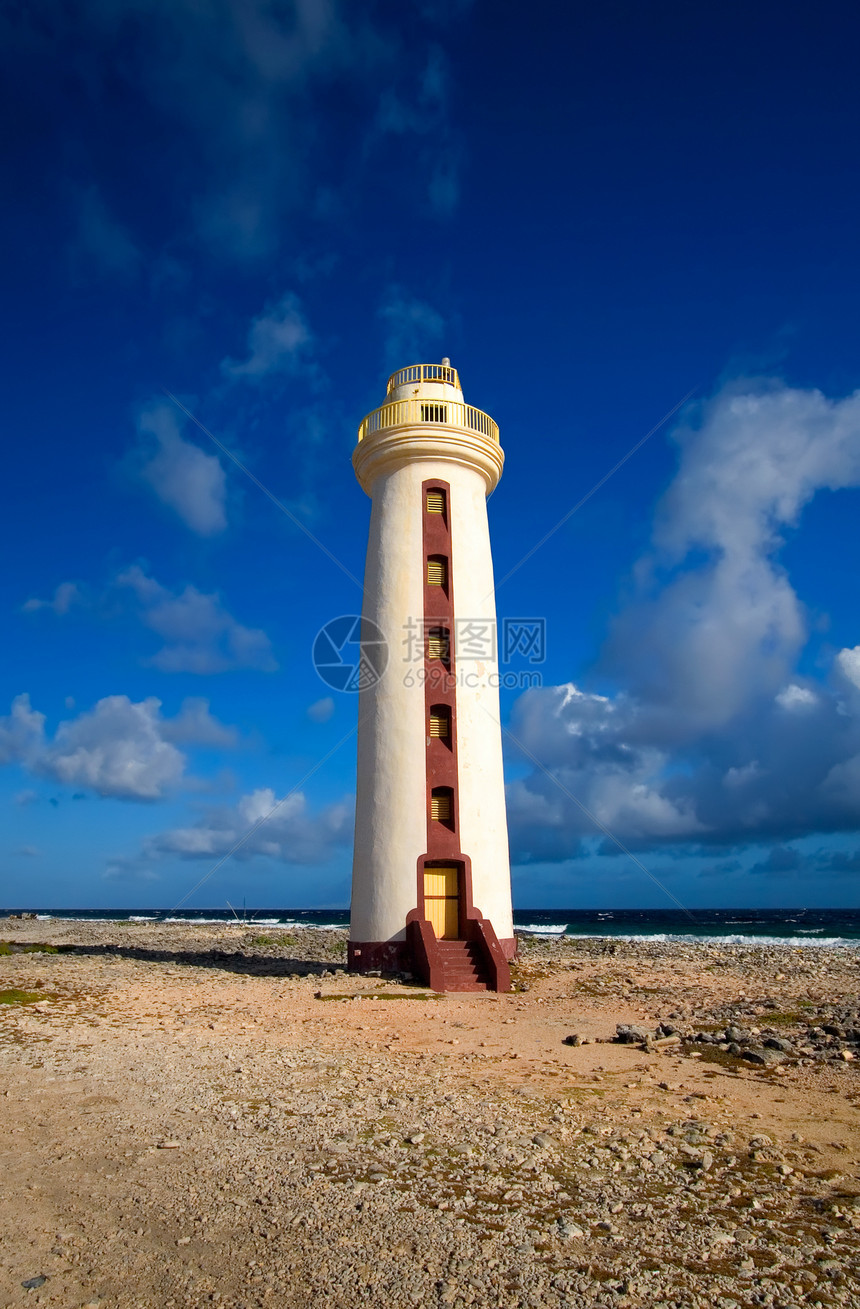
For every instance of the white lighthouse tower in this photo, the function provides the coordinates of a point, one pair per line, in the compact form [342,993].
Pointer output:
[431,883]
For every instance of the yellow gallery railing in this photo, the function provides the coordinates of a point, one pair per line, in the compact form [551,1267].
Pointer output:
[439,413]
[423,373]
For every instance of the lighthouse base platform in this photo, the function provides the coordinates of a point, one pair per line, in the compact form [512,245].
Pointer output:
[479,963]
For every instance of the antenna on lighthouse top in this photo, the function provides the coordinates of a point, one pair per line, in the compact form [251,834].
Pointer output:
[446,362]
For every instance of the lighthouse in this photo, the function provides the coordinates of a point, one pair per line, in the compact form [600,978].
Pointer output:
[431,883]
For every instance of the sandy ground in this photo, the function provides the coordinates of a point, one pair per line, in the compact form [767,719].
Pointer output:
[200,1116]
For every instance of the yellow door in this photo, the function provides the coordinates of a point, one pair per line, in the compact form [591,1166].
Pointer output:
[442,901]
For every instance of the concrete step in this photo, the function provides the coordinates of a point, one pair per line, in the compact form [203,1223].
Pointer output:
[463,966]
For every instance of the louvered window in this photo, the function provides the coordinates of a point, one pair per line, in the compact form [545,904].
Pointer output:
[440,722]
[434,413]
[437,571]
[438,643]
[441,804]
[435,502]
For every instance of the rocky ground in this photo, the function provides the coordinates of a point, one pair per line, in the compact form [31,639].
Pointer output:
[219,1115]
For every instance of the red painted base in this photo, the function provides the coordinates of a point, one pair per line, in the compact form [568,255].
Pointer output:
[379,957]
[395,956]
[406,957]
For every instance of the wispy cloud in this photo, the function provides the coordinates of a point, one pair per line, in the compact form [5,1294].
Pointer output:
[420,107]
[200,634]
[231,104]
[195,724]
[413,328]
[102,242]
[187,479]
[66,596]
[278,342]
[321,710]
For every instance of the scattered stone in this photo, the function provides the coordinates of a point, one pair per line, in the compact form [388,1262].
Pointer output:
[760,1055]
[629,1034]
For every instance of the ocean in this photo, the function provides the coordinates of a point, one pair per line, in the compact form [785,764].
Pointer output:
[802,927]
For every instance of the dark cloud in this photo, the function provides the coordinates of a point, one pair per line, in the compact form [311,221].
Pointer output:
[780,860]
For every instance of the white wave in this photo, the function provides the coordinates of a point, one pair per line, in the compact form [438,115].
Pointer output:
[319,927]
[692,938]
[224,922]
[285,923]
[542,929]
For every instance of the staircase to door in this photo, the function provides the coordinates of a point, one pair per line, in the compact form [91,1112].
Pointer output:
[463,966]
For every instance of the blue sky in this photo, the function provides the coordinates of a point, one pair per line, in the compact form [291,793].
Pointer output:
[595,210]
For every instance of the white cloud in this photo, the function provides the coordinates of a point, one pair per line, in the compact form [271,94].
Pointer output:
[28,851]
[22,733]
[581,739]
[67,595]
[129,870]
[183,476]
[201,635]
[292,835]
[795,698]
[120,748]
[716,623]
[715,738]
[848,664]
[278,341]
[195,725]
[738,777]
[117,750]
[321,710]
